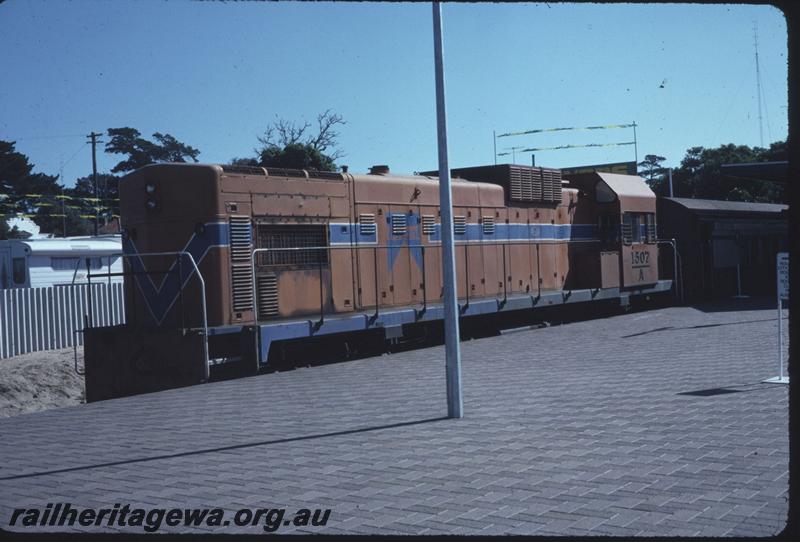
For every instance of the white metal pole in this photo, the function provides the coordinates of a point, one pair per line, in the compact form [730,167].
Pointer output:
[780,324]
[451,334]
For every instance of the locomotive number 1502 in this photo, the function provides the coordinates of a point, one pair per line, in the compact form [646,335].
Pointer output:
[640,257]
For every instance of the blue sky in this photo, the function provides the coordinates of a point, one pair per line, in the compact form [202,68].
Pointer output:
[215,74]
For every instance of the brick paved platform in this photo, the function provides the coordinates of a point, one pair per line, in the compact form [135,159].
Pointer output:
[653,423]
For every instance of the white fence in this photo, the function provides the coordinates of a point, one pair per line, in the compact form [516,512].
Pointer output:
[33,319]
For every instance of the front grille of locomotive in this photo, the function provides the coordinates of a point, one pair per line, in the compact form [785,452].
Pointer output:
[302,240]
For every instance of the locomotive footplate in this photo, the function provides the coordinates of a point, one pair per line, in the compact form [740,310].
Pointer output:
[123,360]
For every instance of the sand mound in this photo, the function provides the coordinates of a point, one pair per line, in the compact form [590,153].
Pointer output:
[39,381]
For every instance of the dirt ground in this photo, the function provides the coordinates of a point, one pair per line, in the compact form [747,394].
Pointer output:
[39,381]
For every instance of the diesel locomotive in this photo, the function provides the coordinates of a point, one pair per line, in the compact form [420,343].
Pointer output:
[222,263]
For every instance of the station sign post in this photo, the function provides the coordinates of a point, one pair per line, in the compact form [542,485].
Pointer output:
[782,293]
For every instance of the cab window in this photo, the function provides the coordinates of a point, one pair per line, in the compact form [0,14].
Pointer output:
[638,228]
[608,228]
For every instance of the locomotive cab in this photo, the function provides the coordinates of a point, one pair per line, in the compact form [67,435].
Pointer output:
[624,209]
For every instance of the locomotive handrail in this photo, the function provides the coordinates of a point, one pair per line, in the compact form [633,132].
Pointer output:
[418,312]
[206,365]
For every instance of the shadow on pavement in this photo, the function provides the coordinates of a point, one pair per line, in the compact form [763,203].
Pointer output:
[700,326]
[755,303]
[223,448]
[724,390]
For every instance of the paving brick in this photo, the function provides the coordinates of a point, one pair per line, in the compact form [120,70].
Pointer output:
[581,429]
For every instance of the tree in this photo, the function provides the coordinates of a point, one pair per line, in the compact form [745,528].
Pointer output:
[243,162]
[142,152]
[286,144]
[82,203]
[700,175]
[653,172]
[25,192]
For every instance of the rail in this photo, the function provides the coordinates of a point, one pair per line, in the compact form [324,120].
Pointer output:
[179,260]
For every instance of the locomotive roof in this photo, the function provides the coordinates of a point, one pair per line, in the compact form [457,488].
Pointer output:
[312,174]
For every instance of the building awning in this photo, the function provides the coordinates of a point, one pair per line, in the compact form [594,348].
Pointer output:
[764,171]
[721,207]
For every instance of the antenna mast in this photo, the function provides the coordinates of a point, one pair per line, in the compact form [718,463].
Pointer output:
[758,87]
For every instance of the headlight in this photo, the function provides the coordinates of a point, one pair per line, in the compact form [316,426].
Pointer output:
[151,204]
[150,187]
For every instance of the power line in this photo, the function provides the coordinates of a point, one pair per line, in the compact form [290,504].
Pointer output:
[26,138]
[571,147]
[541,130]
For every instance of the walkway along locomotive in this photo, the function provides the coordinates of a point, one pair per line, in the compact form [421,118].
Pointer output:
[224,262]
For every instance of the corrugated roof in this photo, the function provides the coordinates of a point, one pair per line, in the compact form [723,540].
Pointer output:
[714,205]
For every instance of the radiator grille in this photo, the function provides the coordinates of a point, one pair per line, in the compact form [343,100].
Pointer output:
[488,225]
[242,287]
[366,223]
[241,238]
[459,225]
[428,224]
[551,183]
[267,296]
[399,226]
[241,270]
[292,236]
[534,184]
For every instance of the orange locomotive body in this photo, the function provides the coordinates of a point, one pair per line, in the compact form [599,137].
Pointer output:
[223,261]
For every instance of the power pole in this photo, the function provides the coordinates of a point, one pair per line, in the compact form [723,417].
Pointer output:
[93,137]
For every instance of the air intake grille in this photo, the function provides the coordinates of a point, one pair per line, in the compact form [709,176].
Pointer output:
[459,225]
[247,170]
[366,223]
[534,184]
[329,175]
[280,172]
[295,236]
[241,238]
[488,225]
[551,183]
[398,224]
[428,224]
[241,270]
[267,296]
[242,287]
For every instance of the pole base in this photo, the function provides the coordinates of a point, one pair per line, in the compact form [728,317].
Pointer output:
[777,380]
